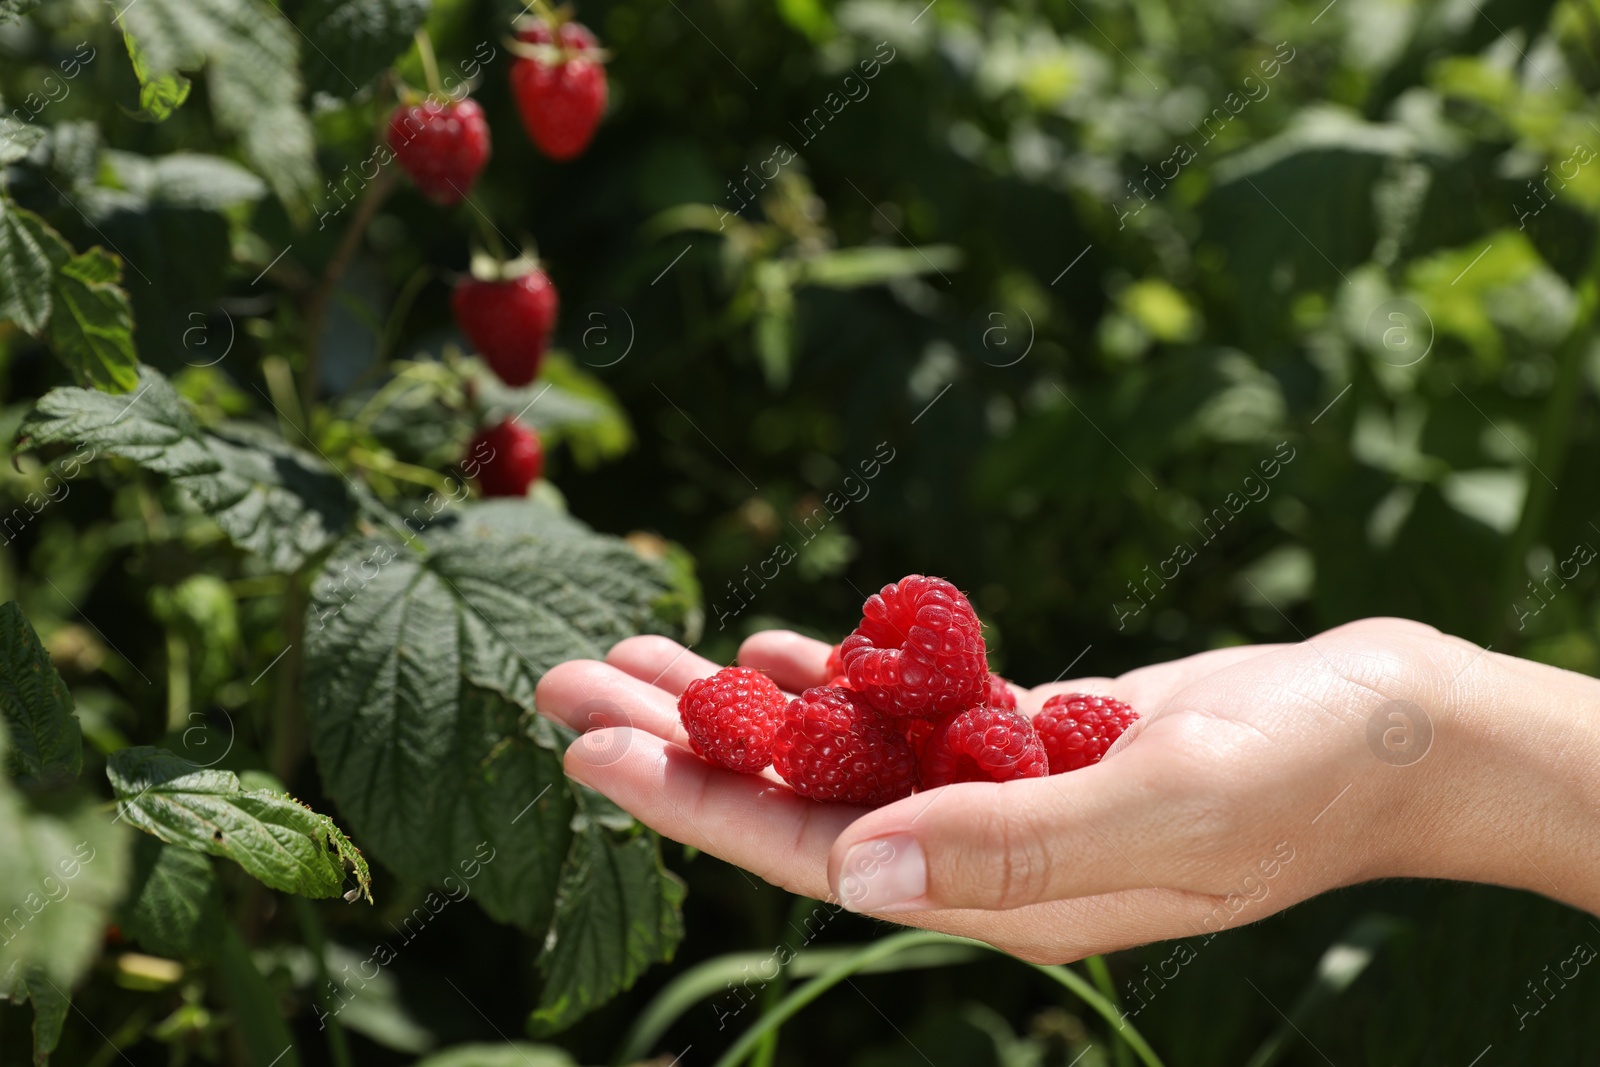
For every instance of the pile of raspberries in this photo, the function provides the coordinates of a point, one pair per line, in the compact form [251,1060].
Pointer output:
[910,705]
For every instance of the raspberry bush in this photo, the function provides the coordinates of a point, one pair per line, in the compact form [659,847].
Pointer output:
[351,376]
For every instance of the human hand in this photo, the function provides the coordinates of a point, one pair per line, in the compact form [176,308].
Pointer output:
[1256,777]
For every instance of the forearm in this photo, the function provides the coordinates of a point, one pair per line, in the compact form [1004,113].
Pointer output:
[1510,792]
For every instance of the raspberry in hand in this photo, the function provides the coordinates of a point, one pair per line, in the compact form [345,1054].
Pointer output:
[731,718]
[832,746]
[1077,728]
[1000,694]
[982,744]
[918,650]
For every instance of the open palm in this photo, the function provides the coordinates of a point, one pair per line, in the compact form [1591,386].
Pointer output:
[1250,783]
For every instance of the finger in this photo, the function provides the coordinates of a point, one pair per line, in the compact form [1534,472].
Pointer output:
[1065,931]
[794,661]
[586,695]
[1147,688]
[747,820]
[661,662]
[1101,829]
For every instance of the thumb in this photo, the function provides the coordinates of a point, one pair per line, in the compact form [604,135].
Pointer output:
[1000,846]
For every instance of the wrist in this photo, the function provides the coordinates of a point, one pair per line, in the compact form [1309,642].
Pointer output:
[1510,789]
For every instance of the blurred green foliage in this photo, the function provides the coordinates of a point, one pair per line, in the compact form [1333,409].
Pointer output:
[1158,327]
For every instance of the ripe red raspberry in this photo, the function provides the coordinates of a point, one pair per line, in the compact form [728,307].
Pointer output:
[835,666]
[832,746]
[1000,694]
[509,322]
[505,459]
[983,745]
[1078,728]
[443,146]
[562,94]
[731,718]
[918,650]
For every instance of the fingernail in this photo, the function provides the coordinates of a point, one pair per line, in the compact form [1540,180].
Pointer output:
[885,874]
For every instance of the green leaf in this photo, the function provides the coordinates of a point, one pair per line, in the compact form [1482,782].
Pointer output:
[25,267]
[91,328]
[17,138]
[50,1006]
[160,94]
[268,498]
[357,40]
[261,1026]
[499,1054]
[616,914]
[172,907]
[63,872]
[853,268]
[46,745]
[252,55]
[185,180]
[274,837]
[11,10]
[421,668]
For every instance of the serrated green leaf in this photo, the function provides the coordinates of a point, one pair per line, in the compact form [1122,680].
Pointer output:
[91,328]
[63,872]
[50,1004]
[356,40]
[160,94]
[25,268]
[273,836]
[500,1054]
[172,907]
[46,745]
[252,55]
[268,498]
[17,138]
[421,668]
[616,914]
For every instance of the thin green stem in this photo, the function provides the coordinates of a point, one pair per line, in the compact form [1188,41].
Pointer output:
[799,909]
[1080,987]
[715,976]
[888,946]
[311,929]
[430,65]
[1100,972]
